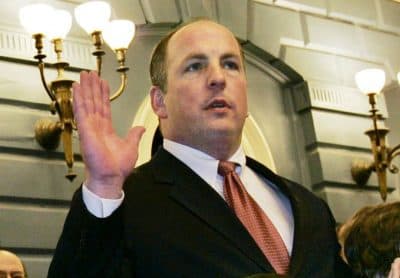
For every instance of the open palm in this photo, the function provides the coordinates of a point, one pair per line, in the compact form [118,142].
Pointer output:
[108,158]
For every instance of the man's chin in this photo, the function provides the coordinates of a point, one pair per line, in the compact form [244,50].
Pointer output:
[223,131]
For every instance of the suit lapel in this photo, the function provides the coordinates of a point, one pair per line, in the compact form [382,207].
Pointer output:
[197,196]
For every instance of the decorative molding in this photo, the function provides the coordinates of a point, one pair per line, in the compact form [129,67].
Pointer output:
[271,65]
[266,67]
[335,98]
[21,46]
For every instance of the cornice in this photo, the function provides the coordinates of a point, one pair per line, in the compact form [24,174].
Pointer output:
[19,46]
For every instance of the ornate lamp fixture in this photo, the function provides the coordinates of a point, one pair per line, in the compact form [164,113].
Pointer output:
[41,20]
[371,82]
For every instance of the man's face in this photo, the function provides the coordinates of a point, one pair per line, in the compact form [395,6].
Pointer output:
[206,93]
[10,266]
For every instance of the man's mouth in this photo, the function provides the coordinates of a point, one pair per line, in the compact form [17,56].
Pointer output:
[217,104]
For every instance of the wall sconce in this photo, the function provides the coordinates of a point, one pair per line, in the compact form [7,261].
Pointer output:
[41,20]
[371,82]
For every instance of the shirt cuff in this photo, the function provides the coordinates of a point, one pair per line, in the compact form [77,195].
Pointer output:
[100,207]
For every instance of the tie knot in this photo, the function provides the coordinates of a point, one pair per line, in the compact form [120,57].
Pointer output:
[226,167]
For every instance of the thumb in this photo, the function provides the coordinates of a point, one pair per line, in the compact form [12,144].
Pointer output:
[134,135]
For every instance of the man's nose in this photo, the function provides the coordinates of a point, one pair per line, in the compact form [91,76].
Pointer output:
[216,78]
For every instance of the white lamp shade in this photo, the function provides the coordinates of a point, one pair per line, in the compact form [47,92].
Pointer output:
[35,18]
[398,77]
[370,80]
[60,24]
[93,16]
[119,33]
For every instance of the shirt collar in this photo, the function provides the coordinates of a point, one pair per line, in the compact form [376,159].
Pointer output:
[201,163]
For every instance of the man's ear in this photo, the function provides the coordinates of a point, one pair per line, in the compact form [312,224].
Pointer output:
[157,102]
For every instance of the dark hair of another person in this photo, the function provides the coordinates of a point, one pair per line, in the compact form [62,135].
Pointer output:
[158,63]
[373,240]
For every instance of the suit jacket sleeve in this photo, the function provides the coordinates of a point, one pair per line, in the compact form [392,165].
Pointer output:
[88,246]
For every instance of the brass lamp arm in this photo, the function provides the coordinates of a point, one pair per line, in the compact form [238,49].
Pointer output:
[392,154]
[43,78]
[121,54]
[121,88]
[53,106]
[40,57]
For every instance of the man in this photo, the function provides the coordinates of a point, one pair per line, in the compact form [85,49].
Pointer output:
[10,265]
[170,217]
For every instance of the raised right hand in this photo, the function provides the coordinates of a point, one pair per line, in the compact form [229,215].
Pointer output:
[108,158]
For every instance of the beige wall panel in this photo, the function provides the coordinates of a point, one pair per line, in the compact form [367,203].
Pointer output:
[385,46]
[34,177]
[36,267]
[195,8]
[269,26]
[24,226]
[332,165]
[332,36]
[335,167]
[234,14]
[311,64]
[361,11]
[346,201]
[272,112]
[164,11]
[390,14]
[341,129]
[17,128]
[328,67]
[128,9]
[349,66]
[314,6]
[393,122]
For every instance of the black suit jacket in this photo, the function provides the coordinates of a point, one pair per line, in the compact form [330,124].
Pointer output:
[173,224]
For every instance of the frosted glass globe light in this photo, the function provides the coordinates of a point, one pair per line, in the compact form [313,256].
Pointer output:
[118,34]
[60,25]
[93,16]
[35,18]
[370,80]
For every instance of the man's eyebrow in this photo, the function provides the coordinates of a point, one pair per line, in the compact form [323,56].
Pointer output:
[230,55]
[198,56]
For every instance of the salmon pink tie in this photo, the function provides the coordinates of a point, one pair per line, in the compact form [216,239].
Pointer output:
[254,219]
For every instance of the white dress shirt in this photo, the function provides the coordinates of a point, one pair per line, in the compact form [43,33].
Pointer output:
[275,204]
